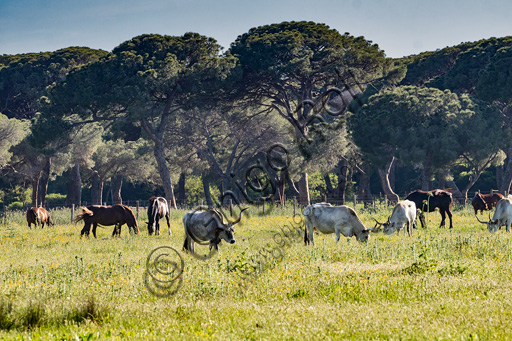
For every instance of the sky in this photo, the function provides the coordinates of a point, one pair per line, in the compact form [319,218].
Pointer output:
[399,27]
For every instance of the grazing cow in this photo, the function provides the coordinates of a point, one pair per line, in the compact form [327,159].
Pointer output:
[207,227]
[404,213]
[428,201]
[38,216]
[502,216]
[157,209]
[105,216]
[483,202]
[334,219]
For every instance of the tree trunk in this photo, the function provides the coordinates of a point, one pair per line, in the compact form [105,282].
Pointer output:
[426,173]
[280,188]
[207,194]
[181,190]
[499,177]
[441,183]
[165,175]
[342,181]
[364,192]
[328,185]
[291,185]
[96,189]
[507,174]
[43,182]
[116,186]
[35,188]
[74,186]
[304,190]
[384,181]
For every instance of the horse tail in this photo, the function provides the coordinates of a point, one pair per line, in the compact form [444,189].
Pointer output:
[85,212]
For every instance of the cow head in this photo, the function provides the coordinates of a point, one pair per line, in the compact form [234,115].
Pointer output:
[384,226]
[479,202]
[363,236]
[227,231]
[492,225]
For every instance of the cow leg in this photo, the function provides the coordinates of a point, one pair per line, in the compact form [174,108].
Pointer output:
[338,235]
[94,226]
[409,228]
[157,226]
[450,217]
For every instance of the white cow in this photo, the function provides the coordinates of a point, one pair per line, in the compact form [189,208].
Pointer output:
[341,220]
[502,216]
[404,213]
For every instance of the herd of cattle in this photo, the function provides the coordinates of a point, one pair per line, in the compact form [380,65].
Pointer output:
[207,226]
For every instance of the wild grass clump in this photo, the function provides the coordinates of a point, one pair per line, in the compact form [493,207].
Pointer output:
[6,319]
[88,311]
[32,316]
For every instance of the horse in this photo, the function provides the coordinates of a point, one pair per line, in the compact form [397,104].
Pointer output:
[483,202]
[107,215]
[428,201]
[38,216]
[157,209]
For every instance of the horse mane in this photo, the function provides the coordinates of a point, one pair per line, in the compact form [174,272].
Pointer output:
[130,217]
[85,211]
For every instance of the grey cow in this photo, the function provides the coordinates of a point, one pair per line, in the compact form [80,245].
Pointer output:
[341,220]
[207,227]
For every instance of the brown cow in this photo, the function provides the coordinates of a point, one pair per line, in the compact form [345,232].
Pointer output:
[38,216]
[483,202]
[107,215]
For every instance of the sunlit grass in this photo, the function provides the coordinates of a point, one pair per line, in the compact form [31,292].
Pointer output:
[439,283]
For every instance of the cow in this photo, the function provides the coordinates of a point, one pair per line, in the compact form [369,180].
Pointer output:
[404,213]
[428,201]
[207,228]
[157,209]
[38,216]
[502,216]
[334,219]
[484,202]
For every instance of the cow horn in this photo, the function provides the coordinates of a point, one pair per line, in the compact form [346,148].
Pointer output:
[380,224]
[483,222]
[240,217]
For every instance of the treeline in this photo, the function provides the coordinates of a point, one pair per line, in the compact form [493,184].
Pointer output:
[294,109]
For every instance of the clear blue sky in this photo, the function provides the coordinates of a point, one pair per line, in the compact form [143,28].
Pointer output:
[400,27]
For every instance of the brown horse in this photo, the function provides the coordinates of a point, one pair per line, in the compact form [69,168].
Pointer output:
[157,209]
[107,215]
[38,216]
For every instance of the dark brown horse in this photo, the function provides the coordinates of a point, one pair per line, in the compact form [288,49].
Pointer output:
[105,216]
[482,202]
[157,209]
[428,201]
[38,216]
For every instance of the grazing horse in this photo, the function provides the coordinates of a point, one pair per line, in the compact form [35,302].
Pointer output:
[483,202]
[38,216]
[157,209]
[107,215]
[428,201]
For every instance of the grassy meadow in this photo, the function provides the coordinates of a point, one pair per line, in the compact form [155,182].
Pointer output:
[438,284]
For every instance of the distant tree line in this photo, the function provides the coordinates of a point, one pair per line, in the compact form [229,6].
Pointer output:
[177,117]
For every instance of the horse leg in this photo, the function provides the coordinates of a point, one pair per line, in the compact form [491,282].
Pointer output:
[443,217]
[450,216]
[157,233]
[168,225]
[85,230]
[94,226]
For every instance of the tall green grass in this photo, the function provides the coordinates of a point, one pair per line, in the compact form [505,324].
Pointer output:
[438,284]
